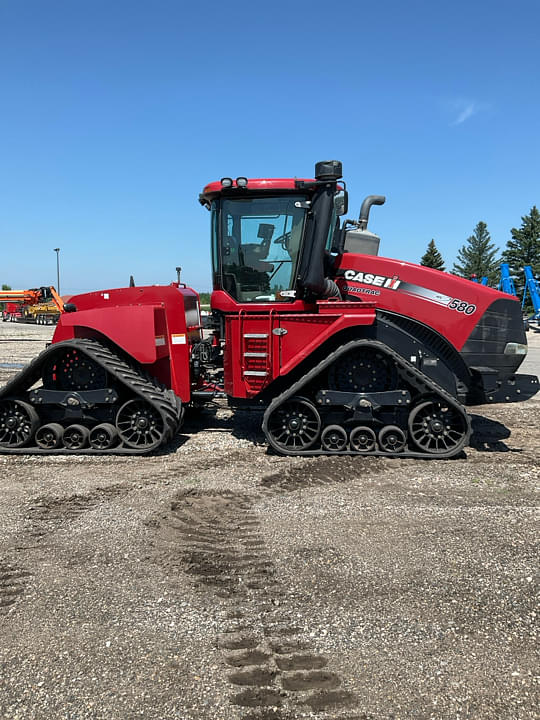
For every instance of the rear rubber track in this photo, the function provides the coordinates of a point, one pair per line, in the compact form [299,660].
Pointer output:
[141,384]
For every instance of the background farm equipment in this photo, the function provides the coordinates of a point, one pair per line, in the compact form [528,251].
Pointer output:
[532,289]
[42,306]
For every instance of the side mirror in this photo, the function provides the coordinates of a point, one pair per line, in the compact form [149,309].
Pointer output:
[341,202]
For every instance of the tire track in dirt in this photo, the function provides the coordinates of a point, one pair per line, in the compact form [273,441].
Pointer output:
[215,538]
[321,471]
[47,513]
[44,516]
[13,584]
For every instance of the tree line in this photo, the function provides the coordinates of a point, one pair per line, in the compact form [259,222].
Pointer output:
[479,257]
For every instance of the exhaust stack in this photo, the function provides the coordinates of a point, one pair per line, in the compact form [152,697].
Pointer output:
[359,239]
[366,207]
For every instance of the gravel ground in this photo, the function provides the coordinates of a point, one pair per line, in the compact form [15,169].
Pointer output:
[215,580]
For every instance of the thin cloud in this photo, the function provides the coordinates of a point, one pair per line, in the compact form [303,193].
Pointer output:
[467,112]
[464,109]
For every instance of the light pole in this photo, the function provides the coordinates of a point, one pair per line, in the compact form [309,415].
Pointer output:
[57,251]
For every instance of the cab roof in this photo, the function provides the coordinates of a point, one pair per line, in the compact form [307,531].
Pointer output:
[213,189]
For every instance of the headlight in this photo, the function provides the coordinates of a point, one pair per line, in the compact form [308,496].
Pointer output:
[515,349]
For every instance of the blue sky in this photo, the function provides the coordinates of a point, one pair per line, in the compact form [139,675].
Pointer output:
[114,115]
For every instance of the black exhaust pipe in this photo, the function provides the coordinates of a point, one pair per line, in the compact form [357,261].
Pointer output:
[366,207]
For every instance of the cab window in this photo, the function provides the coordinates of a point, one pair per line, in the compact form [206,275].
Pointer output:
[259,241]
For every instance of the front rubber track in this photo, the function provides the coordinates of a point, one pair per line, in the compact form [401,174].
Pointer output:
[410,375]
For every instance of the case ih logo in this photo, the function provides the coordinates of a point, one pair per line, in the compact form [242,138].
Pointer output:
[392,283]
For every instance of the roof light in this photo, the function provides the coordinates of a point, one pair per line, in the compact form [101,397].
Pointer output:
[226,182]
[241,182]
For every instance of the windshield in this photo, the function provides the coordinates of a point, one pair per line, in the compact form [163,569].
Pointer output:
[259,241]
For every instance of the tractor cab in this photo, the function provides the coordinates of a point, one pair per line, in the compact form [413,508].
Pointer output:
[271,238]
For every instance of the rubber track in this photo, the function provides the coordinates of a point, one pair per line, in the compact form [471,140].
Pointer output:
[407,372]
[139,382]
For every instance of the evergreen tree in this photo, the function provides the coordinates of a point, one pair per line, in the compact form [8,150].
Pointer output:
[524,248]
[478,256]
[6,287]
[432,257]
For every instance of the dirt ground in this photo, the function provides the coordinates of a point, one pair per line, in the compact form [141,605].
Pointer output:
[215,580]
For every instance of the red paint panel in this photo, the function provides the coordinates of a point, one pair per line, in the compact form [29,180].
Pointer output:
[258,184]
[149,323]
[131,328]
[424,294]
[255,354]
[215,188]
[305,333]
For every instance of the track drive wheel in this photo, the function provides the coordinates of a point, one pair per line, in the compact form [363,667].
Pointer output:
[140,425]
[71,369]
[392,439]
[103,436]
[294,425]
[18,423]
[363,439]
[363,370]
[334,438]
[49,437]
[437,428]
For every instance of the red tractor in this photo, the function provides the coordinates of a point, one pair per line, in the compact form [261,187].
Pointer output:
[345,351]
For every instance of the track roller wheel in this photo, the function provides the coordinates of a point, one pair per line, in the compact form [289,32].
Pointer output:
[392,439]
[76,437]
[18,423]
[334,438]
[103,437]
[49,436]
[295,425]
[140,425]
[362,439]
[437,428]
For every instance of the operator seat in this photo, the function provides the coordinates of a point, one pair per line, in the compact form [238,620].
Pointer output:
[243,271]
[254,257]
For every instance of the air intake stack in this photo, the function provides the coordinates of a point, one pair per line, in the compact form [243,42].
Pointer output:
[328,170]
